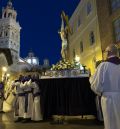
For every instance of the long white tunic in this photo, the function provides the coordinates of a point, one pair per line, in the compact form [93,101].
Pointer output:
[20,100]
[106,82]
[36,112]
[28,91]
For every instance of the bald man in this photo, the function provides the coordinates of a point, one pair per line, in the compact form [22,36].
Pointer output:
[106,82]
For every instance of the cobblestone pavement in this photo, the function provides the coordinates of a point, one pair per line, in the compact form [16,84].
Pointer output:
[6,122]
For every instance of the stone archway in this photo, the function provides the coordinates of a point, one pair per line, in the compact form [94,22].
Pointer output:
[3,62]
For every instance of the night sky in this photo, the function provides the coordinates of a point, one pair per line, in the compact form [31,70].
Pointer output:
[40,21]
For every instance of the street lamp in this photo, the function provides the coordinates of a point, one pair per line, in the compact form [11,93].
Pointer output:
[8,75]
[4,69]
[77,58]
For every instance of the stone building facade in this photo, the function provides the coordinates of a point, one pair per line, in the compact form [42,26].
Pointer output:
[109,21]
[10,32]
[95,24]
[9,38]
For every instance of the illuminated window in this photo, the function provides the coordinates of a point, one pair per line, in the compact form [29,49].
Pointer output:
[115,4]
[117,29]
[29,61]
[34,61]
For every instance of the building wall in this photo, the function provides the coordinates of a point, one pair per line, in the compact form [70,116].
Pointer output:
[106,18]
[88,24]
[100,21]
[10,32]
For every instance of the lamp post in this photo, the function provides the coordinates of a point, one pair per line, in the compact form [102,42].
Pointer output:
[77,58]
[8,75]
[4,69]
[77,61]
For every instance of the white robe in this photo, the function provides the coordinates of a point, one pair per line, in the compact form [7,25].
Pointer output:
[27,88]
[20,100]
[36,112]
[106,82]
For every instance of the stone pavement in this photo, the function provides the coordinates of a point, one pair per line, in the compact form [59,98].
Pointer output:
[6,122]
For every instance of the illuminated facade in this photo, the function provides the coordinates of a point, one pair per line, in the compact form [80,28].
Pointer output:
[31,59]
[95,24]
[10,31]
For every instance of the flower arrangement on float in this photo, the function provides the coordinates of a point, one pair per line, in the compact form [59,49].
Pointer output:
[65,68]
[63,65]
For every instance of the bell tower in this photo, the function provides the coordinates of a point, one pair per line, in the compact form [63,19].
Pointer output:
[10,31]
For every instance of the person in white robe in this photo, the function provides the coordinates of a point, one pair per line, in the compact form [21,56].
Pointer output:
[36,112]
[10,97]
[98,101]
[27,87]
[106,83]
[19,102]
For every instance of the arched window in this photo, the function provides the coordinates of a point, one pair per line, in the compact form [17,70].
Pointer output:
[81,47]
[89,8]
[74,53]
[117,29]
[5,15]
[6,33]
[0,33]
[13,17]
[9,14]
[92,38]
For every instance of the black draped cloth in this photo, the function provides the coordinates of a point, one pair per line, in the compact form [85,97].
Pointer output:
[67,96]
